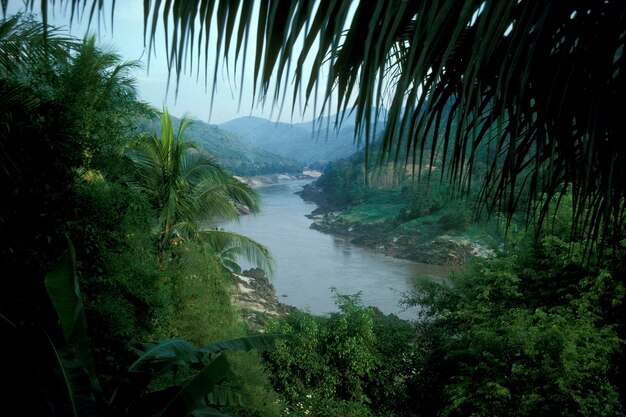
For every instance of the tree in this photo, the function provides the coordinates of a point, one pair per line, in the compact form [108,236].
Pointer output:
[191,191]
[45,148]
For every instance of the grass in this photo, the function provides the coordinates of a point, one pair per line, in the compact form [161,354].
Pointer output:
[386,207]
[370,213]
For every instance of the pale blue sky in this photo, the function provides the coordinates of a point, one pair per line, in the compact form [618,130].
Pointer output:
[192,99]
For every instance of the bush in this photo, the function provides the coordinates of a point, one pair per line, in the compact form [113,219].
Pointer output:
[351,363]
[527,334]
[458,220]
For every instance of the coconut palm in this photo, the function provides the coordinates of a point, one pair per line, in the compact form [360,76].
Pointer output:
[191,192]
[27,53]
[531,88]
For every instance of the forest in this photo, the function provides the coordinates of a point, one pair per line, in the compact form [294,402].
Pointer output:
[117,289]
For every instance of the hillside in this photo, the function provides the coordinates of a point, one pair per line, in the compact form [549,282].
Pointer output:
[304,142]
[237,155]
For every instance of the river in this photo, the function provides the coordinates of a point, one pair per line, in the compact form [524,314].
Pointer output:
[309,263]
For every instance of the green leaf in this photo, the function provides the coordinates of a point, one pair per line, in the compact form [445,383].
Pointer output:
[187,399]
[204,411]
[66,383]
[246,343]
[63,289]
[223,395]
[62,285]
[160,356]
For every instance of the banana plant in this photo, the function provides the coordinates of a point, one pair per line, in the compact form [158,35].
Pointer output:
[199,395]
[69,380]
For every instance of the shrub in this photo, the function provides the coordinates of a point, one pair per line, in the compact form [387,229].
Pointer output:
[457,220]
[351,363]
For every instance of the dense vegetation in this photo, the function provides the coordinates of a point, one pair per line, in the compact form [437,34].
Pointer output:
[108,244]
[536,330]
[388,206]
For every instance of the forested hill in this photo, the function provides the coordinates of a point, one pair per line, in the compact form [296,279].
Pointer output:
[304,142]
[237,155]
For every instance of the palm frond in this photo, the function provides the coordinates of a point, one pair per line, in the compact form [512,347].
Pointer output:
[222,241]
[26,43]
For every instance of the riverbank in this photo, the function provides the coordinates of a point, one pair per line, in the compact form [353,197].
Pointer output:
[380,227]
[256,297]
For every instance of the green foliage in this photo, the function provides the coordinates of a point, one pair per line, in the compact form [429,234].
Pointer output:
[343,183]
[424,200]
[351,363]
[535,332]
[68,110]
[251,381]
[456,220]
[477,80]
[197,393]
[199,298]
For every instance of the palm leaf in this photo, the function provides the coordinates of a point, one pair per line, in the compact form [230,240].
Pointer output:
[256,253]
[189,187]
[26,43]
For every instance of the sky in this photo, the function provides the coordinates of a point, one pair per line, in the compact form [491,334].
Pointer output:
[192,99]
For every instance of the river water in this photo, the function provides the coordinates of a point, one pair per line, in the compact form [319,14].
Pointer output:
[309,263]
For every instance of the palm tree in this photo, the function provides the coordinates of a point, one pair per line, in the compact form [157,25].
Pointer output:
[191,191]
[533,89]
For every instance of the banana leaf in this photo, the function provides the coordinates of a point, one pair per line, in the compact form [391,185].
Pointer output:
[61,283]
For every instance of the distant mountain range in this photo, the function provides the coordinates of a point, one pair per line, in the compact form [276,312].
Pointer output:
[304,142]
[237,155]
[250,146]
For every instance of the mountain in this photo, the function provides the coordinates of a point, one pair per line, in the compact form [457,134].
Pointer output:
[238,156]
[305,142]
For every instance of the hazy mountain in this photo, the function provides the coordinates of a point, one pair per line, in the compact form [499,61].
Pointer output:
[304,142]
[237,155]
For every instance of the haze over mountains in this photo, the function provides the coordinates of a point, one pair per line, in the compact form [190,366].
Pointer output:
[303,142]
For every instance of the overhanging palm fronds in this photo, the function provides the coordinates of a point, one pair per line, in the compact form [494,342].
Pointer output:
[531,89]
[26,43]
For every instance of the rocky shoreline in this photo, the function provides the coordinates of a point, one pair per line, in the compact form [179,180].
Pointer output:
[256,297]
[445,249]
